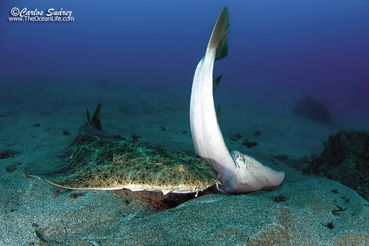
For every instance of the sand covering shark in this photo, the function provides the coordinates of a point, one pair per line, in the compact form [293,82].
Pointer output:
[96,160]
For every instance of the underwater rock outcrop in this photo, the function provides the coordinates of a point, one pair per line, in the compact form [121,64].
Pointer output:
[345,158]
[310,108]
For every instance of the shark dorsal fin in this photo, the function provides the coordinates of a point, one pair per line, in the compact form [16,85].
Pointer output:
[95,121]
[96,118]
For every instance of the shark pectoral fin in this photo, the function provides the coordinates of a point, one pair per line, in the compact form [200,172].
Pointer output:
[165,192]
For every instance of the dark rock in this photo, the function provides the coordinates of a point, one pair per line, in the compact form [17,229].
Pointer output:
[312,109]
[338,210]
[66,133]
[330,225]
[249,144]
[280,198]
[345,158]
[135,137]
[37,125]
[119,137]
[236,136]
[75,195]
[11,168]
[346,199]
[5,154]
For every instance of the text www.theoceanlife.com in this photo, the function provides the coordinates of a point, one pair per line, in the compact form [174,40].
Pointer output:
[35,15]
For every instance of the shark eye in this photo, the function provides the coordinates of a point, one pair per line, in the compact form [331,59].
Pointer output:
[239,157]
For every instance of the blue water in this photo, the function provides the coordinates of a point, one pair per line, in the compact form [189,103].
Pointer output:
[279,50]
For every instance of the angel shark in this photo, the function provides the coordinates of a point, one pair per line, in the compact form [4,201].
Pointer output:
[238,173]
[95,160]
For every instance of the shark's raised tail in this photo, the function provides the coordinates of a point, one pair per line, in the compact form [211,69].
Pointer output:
[238,173]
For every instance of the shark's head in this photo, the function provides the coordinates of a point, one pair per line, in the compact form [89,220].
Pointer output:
[251,175]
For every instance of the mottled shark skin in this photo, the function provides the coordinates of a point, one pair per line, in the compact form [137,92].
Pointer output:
[96,160]
[238,173]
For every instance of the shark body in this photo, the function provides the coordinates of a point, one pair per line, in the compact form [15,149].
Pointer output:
[238,173]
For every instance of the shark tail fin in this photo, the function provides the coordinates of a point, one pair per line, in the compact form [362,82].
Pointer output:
[218,38]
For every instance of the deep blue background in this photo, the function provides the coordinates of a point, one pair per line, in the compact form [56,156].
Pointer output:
[278,49]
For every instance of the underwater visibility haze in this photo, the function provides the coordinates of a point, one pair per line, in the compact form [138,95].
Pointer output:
[184,122]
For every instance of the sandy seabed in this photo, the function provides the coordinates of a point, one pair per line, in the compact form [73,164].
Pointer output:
[38,121]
